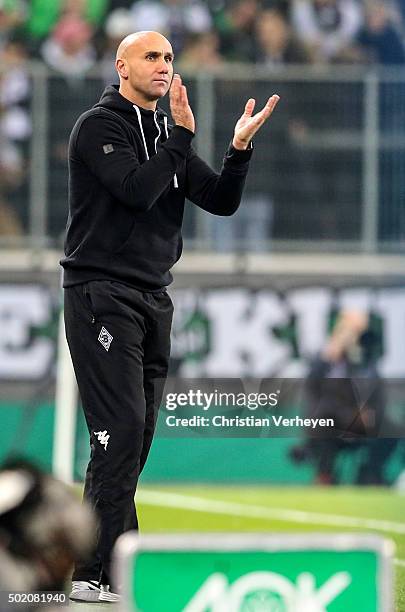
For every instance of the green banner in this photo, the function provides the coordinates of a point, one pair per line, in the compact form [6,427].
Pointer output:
[255,573]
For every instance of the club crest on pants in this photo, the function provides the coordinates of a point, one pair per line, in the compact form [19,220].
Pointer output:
[105,338]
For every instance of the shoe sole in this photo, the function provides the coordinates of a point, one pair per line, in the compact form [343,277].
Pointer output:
[109,597]
[87,596]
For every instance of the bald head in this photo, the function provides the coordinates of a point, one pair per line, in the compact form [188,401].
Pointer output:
[139,40]
[145,67]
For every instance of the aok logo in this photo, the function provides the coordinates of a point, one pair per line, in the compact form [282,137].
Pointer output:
[267,592]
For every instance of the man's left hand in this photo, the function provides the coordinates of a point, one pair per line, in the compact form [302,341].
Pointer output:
[249,124]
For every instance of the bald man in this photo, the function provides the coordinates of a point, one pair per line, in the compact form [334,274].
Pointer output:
[130,172]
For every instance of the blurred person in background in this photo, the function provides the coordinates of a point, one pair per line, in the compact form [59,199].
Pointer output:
[328,27]
[235,22]
[276,43]
[324,194]
[344,384]
[381,39]
[117,26]
[201,50]
[381,42]
[11,173]
[70,53]
[12,16]
[44,529]
[176,19]
[69,49]
[267,191]
[15,127]
[45,14]
[15,92]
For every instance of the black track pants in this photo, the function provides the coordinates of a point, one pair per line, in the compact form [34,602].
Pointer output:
[119,340]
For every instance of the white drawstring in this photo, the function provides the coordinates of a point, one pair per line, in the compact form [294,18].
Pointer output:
[175,181]
[159,131]
[138,113]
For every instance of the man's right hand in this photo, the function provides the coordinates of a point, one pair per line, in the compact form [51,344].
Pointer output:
[179,106]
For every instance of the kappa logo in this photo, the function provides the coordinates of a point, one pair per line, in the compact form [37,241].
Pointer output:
[105,338]
[102,437]
[108,148]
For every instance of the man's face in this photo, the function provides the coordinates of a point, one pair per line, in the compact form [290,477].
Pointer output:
[149,66]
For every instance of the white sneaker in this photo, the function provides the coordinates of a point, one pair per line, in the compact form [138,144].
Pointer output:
[85,590]
[107,595]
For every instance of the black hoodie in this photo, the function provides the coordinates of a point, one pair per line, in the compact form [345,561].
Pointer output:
[129,175]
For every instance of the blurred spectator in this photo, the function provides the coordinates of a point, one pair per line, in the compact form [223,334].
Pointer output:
[45,14]
[236,28]
[150,15]
[12,16]
[118,25]
[380,37]
[176,19]
[69,49]
[328,27]
[15,90]
[10,178]
[201,51]
[44,529]
[69,96]
[70,52]
[267,188]
[381,42]
[344,384]
[276,43]
[276,46]
[93,11]
[15,129]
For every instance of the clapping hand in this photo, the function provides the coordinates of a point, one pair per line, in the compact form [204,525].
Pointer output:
[249,124]
[179,106]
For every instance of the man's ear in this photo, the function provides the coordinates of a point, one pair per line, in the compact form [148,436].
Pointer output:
[122,68]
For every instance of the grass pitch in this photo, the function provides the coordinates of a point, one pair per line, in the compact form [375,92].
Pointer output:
[169,509]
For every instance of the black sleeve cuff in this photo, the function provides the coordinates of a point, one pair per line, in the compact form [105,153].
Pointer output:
[239,155]
[183,129]
[179,140]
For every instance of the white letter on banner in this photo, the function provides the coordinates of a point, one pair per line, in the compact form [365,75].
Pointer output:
[242,338]
[21,308]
